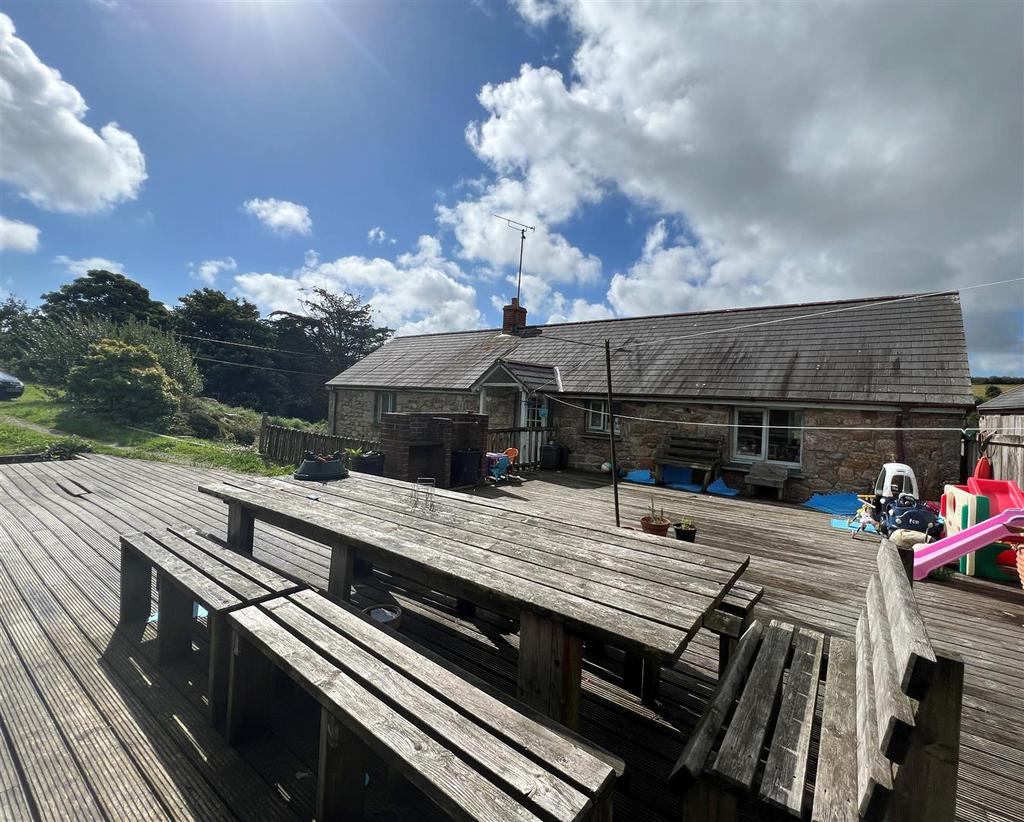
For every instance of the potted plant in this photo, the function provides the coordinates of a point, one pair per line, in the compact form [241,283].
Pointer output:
[685,530]
[655,522]
[366,462]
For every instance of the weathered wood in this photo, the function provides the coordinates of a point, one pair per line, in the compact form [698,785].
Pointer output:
[219,667]
[241,527]
[174,623]
[136,586]
[740,753]
[912,649]
[895,713]
[785,771]
[874,771]
[250,681]
[339,584]
[340,788]
[691,762]
[835,788]
[926,783]
[550,661]
[267,578]
[707,802]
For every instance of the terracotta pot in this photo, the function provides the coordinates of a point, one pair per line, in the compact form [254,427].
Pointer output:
[651,526]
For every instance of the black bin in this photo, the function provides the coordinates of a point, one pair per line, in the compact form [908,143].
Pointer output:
[466,466]
[552,457]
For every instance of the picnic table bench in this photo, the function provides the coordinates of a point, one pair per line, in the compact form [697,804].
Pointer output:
[686,451]
[564,584]
[767,475]
[191,568]
[476,756]
[889,729]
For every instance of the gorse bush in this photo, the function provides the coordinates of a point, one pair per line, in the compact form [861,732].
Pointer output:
[51,348]
[125,383]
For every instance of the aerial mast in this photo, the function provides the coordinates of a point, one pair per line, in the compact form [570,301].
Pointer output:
[522,228]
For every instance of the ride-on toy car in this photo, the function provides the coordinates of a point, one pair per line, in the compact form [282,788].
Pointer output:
[10,387]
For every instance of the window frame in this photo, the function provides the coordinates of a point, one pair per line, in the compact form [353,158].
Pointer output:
[765,429]
[378,404]
[593,407]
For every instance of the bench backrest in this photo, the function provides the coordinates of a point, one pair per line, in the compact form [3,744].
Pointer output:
[895,665]
[684,449]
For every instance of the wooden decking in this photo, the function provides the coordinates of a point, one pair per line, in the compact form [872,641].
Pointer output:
[89,728]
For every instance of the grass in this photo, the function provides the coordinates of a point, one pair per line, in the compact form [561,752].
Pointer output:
[979,388]
[40,408]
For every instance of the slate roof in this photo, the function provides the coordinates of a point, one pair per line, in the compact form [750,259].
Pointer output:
[1009,402]
[852,351]
[530,376]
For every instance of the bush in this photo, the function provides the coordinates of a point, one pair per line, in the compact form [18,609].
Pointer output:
[124,382]
[67,447]
[50,349]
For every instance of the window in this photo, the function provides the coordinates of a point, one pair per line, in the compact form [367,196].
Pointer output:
[768,434]
[597,417]
[536,412]
[386,402]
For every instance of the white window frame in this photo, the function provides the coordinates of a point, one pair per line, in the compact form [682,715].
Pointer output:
[598,409]
[534,403]
[765,417]
[382,398]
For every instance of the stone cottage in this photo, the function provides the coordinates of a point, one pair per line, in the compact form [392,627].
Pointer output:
[828,390]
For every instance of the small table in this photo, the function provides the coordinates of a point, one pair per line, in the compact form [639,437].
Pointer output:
[192,568]
[564,583]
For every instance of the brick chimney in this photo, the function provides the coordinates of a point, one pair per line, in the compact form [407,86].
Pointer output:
[513,317]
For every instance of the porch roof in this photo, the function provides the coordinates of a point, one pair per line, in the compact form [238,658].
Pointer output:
[530,377]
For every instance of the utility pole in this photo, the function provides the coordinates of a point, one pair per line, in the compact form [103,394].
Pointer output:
[611,427]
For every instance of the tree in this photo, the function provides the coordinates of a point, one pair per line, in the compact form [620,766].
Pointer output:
[334,332]
[992,391]
[241,373]
[15,320]
[104,294]
[124,382]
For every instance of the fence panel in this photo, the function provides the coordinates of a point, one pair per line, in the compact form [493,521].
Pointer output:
[527,440]
[289,445]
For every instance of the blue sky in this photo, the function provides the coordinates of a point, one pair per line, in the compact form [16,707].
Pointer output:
[672,157]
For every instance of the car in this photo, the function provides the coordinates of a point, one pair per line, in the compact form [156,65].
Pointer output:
[10,387]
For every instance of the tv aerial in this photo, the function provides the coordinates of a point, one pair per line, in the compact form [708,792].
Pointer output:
[522,228]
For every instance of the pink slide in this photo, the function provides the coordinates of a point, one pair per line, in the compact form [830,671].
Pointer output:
[1007,523]
[1002,494]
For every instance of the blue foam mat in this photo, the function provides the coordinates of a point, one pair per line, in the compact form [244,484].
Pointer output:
[721,489]
[639,476]
[845,525]
[840,502]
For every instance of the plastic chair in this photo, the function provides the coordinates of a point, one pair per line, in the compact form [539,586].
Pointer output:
[512,454]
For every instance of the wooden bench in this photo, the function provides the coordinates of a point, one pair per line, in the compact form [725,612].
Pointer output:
[732,618]
[685,451]
[191,568]
[889,729]
[767,475]
[475,756]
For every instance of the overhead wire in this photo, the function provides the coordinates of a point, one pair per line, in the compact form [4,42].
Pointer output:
[261,367]
[248,345]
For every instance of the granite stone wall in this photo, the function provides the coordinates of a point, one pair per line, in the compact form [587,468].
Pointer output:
[352,409]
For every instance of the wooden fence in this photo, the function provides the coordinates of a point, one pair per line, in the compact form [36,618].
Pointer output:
[1006,448]
[527,440]
[288,445]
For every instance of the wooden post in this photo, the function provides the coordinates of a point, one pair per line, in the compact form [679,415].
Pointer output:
[136,579]
[925,786]
[174,624]
[249,689]
[339,582]
[241,526]
[707,802]
[611,428]
[550,667]
[340,773]
[219,668]
[642,676]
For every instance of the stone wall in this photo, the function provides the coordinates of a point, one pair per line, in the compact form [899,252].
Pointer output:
[352,409]
[842,460]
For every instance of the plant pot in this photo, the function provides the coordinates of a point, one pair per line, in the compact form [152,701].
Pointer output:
[372,462]
[321,470]
[685,534]
[653,526]
[390,615]
[1020,565]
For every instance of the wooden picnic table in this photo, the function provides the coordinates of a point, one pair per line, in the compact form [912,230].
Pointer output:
[565,583]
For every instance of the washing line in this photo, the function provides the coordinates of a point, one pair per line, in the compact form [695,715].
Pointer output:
[962,431]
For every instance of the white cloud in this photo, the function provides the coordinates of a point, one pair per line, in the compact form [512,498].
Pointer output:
[18,236]
[83,266]
[379,235]
[887,158]
[49,154]
[206,272]
[280,216]
[416,293]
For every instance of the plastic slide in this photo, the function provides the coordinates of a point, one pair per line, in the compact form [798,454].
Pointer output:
[1000,527]
[1002,494]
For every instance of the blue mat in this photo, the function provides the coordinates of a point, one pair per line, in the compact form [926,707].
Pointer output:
[843,525]
[639,476]
[842,503]
[684,486]
[719,487]
[674,474]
